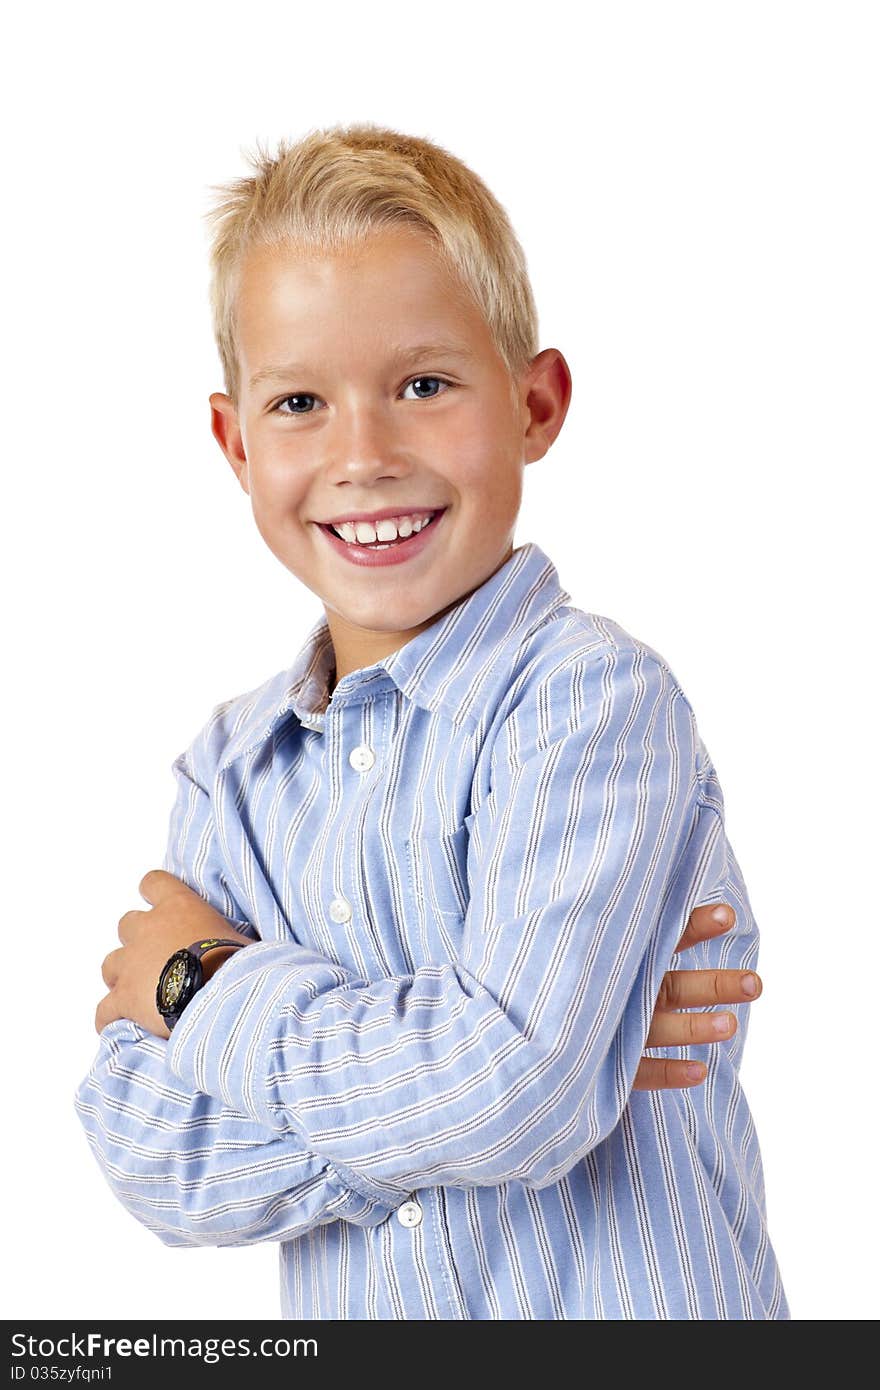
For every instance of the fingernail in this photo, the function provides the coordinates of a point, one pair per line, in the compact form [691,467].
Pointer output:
[720,914]
[694,1071]
[749,984]
[721,1023]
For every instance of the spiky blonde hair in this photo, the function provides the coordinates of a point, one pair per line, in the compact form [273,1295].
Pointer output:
[327,192]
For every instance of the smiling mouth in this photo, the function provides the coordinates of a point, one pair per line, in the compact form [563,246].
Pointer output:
[382,545]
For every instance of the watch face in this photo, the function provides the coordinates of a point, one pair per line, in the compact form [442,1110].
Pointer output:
[181,977]
[173,981]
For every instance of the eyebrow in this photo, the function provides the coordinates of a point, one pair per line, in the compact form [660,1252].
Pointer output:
[400,355]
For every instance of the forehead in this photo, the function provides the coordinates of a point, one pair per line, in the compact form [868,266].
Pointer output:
[392,291]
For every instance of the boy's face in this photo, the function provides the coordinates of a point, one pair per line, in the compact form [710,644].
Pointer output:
[368,420]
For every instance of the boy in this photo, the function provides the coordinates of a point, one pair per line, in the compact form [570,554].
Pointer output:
[445,861]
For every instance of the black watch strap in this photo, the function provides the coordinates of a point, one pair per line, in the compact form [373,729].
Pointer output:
[201,948]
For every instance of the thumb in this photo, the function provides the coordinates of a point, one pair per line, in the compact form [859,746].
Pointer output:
[157,885]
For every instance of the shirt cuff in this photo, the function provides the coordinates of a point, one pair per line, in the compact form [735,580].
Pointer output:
[221,1043]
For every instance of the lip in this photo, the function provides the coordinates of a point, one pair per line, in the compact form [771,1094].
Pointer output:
[385,514]
[395,554]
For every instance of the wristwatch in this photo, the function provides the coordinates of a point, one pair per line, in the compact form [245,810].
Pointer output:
[182,976]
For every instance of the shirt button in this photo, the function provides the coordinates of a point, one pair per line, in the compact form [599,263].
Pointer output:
[340,910]
[362,758]
[410,1214]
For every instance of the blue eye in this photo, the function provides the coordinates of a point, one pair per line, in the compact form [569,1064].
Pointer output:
[300,396]
[415,381]
[419,380]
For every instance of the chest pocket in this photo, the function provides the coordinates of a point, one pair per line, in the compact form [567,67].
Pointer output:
[438,875]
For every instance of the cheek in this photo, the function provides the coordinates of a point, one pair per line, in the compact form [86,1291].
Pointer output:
[488,478]
[480,450]
[275,488]
[472,443]
[276,511]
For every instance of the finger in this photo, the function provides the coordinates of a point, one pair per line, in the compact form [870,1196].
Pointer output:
[128,924]
[110,968]
[702,924]
[105,1013]
[667,1073]
[689,989]
[157,885]
[676,1030]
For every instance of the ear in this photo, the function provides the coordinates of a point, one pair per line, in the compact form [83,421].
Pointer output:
[227,432]
[547,391]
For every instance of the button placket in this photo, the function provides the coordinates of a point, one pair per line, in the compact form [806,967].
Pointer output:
[360,727]
[361,759]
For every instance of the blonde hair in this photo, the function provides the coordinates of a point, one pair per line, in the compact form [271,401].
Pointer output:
[330,190]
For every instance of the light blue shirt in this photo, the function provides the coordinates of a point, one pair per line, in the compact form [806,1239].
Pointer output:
[468,872]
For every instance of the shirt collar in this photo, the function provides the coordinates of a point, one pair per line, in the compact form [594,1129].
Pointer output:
[440,669]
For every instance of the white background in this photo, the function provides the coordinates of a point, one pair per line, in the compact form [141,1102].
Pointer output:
[695,188]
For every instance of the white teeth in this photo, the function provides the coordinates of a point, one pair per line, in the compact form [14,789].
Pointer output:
[365,533]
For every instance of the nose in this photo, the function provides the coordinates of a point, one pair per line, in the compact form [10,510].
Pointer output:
[362,445]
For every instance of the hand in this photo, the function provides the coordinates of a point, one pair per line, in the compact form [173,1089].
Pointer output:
[177,919]
[689,989]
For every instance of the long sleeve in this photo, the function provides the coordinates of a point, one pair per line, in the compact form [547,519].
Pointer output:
[188,1166]
[514,1059]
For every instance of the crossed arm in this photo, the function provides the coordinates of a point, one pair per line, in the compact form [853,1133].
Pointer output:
[178,916]
[180,1161]
[204,1161]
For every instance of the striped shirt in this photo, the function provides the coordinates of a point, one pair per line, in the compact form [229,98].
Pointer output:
[463,875]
